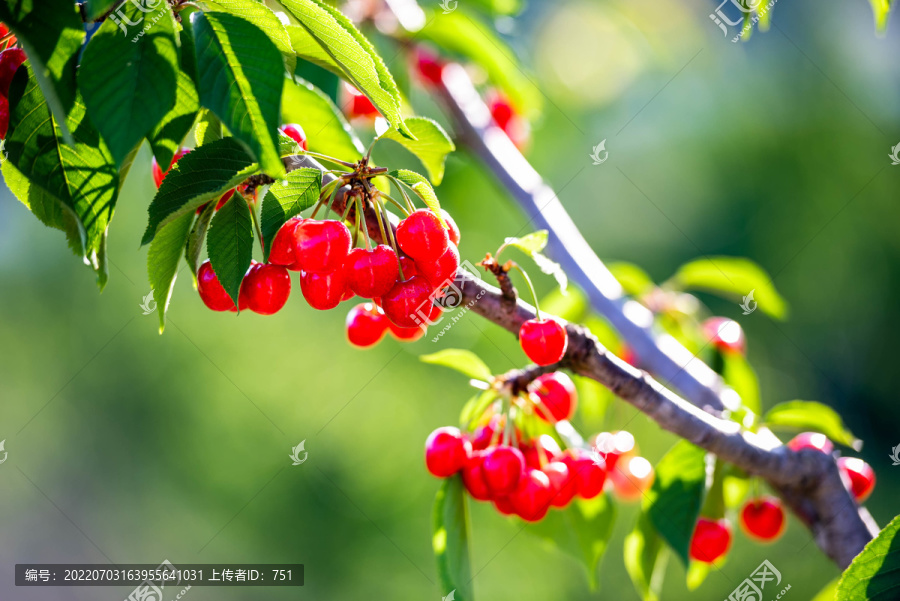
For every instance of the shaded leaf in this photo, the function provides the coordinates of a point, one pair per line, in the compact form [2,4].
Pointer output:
[286,198]
[431,146]
[168,136]
[814,416]
[450,540]
[327,130]
[229,244]
[197,237]
[262,16]
[463,361]
[97,8]
[162,261]
[733,278]
[874,574]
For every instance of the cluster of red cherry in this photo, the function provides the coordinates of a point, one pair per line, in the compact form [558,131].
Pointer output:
[527,478]
[10,60]
[763,518]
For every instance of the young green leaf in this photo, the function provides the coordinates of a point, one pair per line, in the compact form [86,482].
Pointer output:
[200,176]
[733,278]
[198,236]
[230,244]
[532,244]
[287,198]
[168,135]
[463,361]
[420,186]
[814,416]
[162,261]
[240,78]
[431,146]
[450,539]
[529,243]
[633,279]
[828,592]
[129,83]
[307,48]
[263,17]
[69,187]
[354,53]
[328,131]
[645,557]
[874,574]
[673,502]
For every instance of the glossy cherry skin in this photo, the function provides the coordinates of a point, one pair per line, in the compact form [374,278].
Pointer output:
[10,61]
[532,497]
[212,293]
[763,519]
[406,334]
[409,267]
[860,476]
[473,478]
[556,395]
[562,482]
[501,110]
[296,133]
[589,476]
[811,440]
[321,246]
[323,291]
[366,325]
[4,116]
[429,66]
[483,435]
[725,334]
[502,469]
[612,445]
[446,452]
[158,174]
[359,104]
[504,505]
[543,340]
[441,272]
[422,237]
[631,477]
[541,451]
[452,228]
[711,540]
[282,251]
[267,288]
[408,302]
[371,273]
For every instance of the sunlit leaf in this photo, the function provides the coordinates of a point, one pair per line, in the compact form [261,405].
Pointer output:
[735,279]
[813,416]
[874,574]
[162,261]
[286,198]
[450,540]
[431,144]
[463,361]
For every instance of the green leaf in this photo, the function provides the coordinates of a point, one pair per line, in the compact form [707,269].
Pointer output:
[450,540]
[828,592]
[51,32]
[582,530]
[645,558]
[327,130]
[129,84]
[230,244]
[571,306]
[240,78]
[733,278]
[529,243]
[287,198]
[208,129]
[463,361]
[532,244]
[874,574]
[881,9]
[634,280]
[421,187]
[69,187]
[198,235]
[168,136]
[162,261]
[475,407]
[307,48]
[198,177]
[814,416]
[263,17]
[674,501]
[696,573]
[739,374]
[431,146]
[97,8]
[354,53]
[498,7]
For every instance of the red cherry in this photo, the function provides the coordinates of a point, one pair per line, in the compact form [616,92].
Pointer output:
[321,246]
[408,303]
[422,237]
[503,467]
[562,482]
[282,251]
[613,445]
[406,334]
[446,452]
[589,476]
[323,291]
[541,451]
[473,478]
[429,66]
[211,291]
[483,436]
[296,133]
[711,540]
[504,505]
[631,478]
[158,175]
[543,340]
[501,109]
[359,103]
[725,334]
[452,228]
[366,325]
[532,497]
[441,272]
[10,61]
[371,273]
[4,116]
[811,440]
[409,267]
[763,519]
[860,476]
[557,396]
[267,288]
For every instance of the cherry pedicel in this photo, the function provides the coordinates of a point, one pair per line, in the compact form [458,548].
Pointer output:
[502,468]
[321,246]
[212,293]
[323,291]
[267,288]
[371,273]
[282,251]
[541,451]
[711,540]
[441,272]
[532,497]
[556,396]
[446,452]
[366,325]
[296,133]
[10,61]
[403,303]
[763,519]
[859,475]
[811,440]
[543,340]
[422,236]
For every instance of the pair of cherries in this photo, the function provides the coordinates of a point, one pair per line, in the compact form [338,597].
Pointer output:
[264,289]
[763,519]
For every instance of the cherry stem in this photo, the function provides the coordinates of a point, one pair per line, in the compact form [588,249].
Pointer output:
[255,219]
[394,202]
[537,309]
[359,212]
[399,185]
